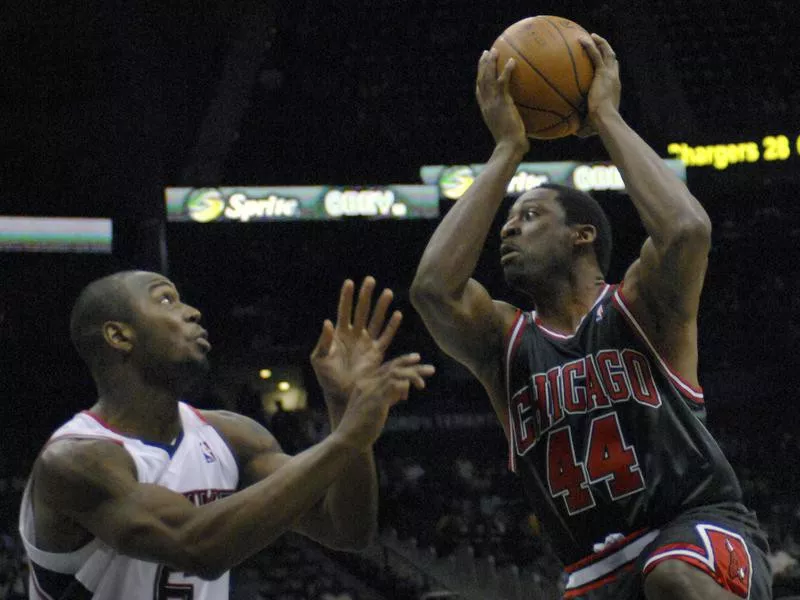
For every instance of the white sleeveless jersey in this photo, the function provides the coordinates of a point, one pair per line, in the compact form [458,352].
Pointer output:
[198,465]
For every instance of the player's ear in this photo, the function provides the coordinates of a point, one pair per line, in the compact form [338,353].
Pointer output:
[584,234]
[119,336]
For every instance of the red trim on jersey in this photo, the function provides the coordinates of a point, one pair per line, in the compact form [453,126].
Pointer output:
[113,429]
[675,546]
[689,560]
[507,335]
[199,415]
[614,575]
[606,551]
[688,390]
[671,370]
[104,423]
[513,339]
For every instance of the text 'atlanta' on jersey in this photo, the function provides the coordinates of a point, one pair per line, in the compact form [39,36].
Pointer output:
[605,436]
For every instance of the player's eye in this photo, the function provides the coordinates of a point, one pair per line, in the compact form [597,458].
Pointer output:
[166,299]
[529,213]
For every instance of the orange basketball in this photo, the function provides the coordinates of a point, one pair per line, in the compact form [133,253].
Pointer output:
[552,75]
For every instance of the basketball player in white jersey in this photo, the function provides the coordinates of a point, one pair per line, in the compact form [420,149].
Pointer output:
[134,498]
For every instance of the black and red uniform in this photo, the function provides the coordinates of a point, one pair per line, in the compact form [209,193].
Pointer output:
[612,450]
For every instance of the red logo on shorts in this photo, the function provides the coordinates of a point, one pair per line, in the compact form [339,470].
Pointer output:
[732,560]
[723,556]
[735,568]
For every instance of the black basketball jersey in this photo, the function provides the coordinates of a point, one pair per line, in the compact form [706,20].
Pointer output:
[606,437]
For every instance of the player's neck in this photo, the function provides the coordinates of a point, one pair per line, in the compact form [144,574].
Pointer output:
[562,306]
[139,410]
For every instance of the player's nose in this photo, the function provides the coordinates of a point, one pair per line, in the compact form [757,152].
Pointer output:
[509,228]
[192,314]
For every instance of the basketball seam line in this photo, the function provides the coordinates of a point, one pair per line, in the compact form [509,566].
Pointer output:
[544,110]
[553,126]
[571,57]
[540,74]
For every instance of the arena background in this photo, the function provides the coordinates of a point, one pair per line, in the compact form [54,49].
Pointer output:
[106,104]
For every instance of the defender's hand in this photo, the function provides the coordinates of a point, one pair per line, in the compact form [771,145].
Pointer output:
[497,106]
[373,396]
[355,346]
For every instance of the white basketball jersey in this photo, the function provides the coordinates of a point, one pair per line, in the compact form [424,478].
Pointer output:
[198,465]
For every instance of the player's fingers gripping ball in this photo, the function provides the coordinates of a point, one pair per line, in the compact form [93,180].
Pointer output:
[553,73]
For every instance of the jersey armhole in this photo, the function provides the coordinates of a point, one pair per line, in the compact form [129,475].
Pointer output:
[511,341]
[690,392]
[224,438]
[510,329]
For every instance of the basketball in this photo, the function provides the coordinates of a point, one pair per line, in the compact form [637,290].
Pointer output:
[552,75]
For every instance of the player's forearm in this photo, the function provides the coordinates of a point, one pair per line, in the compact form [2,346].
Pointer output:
[226,532]
[352,500]
[352,504]
[663,201]
[455,247]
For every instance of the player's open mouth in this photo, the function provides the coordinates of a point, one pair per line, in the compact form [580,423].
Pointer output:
[507,253]
[508,257]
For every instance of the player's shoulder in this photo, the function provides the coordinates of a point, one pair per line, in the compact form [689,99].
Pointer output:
[507,315]
[228,419]
[225,417]
[71,452]
[78,465]
[243,434]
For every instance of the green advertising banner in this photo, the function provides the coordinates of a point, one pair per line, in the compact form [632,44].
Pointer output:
[454,180]
[243,204]
[299,203]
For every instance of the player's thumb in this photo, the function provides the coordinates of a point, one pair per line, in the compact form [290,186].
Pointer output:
[325,341]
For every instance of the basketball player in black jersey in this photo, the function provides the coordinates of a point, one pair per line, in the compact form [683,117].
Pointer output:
[597,388]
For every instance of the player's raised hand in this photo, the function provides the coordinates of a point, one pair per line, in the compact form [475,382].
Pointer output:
[355,346]
[606,88]
[497,106]
[375,393]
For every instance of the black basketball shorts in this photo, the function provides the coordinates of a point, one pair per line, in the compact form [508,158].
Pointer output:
[723,540]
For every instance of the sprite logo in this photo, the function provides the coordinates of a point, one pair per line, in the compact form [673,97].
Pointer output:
[454,181]
[204,205]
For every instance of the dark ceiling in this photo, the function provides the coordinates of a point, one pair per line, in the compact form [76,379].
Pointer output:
[103,103]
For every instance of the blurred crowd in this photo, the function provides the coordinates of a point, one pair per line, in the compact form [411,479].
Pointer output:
[449,491]
[445,499]
[13,563]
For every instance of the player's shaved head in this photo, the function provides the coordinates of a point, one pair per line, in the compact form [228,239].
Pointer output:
[103,300]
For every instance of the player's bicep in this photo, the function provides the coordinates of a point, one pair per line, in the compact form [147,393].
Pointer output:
[468,328]
[666,284]
[93,484]
[257,452]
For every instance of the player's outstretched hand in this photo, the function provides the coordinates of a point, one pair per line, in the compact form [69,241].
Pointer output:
[374,394]
[356,344]
[497,106]
[606,88]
